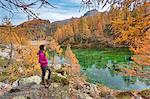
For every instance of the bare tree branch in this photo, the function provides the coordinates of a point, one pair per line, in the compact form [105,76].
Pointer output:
[23,5]
[97,3]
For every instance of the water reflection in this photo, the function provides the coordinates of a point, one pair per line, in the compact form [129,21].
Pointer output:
[110,79]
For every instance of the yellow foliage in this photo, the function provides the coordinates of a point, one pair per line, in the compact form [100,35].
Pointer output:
[74,69]
[142,50]
[54,46]
[11,35]
[29,55]
[134,31]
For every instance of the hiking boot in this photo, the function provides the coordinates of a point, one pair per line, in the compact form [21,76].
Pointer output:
[46,86]
[42,83]
[48,81]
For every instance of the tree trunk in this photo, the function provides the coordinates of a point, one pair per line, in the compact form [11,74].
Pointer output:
[10,54]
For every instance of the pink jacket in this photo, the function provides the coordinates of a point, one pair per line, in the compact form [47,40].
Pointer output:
[42,59]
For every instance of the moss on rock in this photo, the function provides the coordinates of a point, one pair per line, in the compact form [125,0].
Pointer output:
[58,79]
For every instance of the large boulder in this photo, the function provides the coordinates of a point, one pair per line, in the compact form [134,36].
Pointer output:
[25,81]
[32,79]
[4,88]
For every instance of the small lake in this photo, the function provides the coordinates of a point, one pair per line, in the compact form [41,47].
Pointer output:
[95,62]
[107,77]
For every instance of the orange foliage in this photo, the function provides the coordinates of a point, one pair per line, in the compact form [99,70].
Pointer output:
[83,29]
[54,46]
[11,35]
[63,32]
[27,55]
[27,59]
[35,23]
[74,69]
[71,56]
[142,53]
[134,31]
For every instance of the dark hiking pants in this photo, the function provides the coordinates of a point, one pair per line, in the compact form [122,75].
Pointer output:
[44,72]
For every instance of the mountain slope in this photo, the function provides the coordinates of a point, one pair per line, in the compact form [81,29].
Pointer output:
[91,13]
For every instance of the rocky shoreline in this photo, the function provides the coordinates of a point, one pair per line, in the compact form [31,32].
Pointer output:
[85,90]
[77,88]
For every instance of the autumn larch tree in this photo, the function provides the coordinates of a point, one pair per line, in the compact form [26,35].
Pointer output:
[132,28]
[9,36]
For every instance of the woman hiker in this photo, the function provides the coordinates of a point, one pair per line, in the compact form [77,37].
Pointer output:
[44,65]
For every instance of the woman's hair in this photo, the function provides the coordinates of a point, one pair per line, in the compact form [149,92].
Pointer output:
[41,47]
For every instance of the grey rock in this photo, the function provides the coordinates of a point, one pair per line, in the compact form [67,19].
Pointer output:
[15,84]
[4,88]
[27,81]
[19,97]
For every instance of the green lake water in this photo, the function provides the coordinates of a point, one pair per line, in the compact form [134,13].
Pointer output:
[97,65]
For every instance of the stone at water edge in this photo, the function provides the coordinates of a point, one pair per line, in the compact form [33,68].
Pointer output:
[32,79]
[91,90]
[94,92]
[4,88]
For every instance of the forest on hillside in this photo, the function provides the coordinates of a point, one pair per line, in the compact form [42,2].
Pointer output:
[125,27]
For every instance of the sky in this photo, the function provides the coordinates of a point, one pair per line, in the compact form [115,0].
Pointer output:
[65,9]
